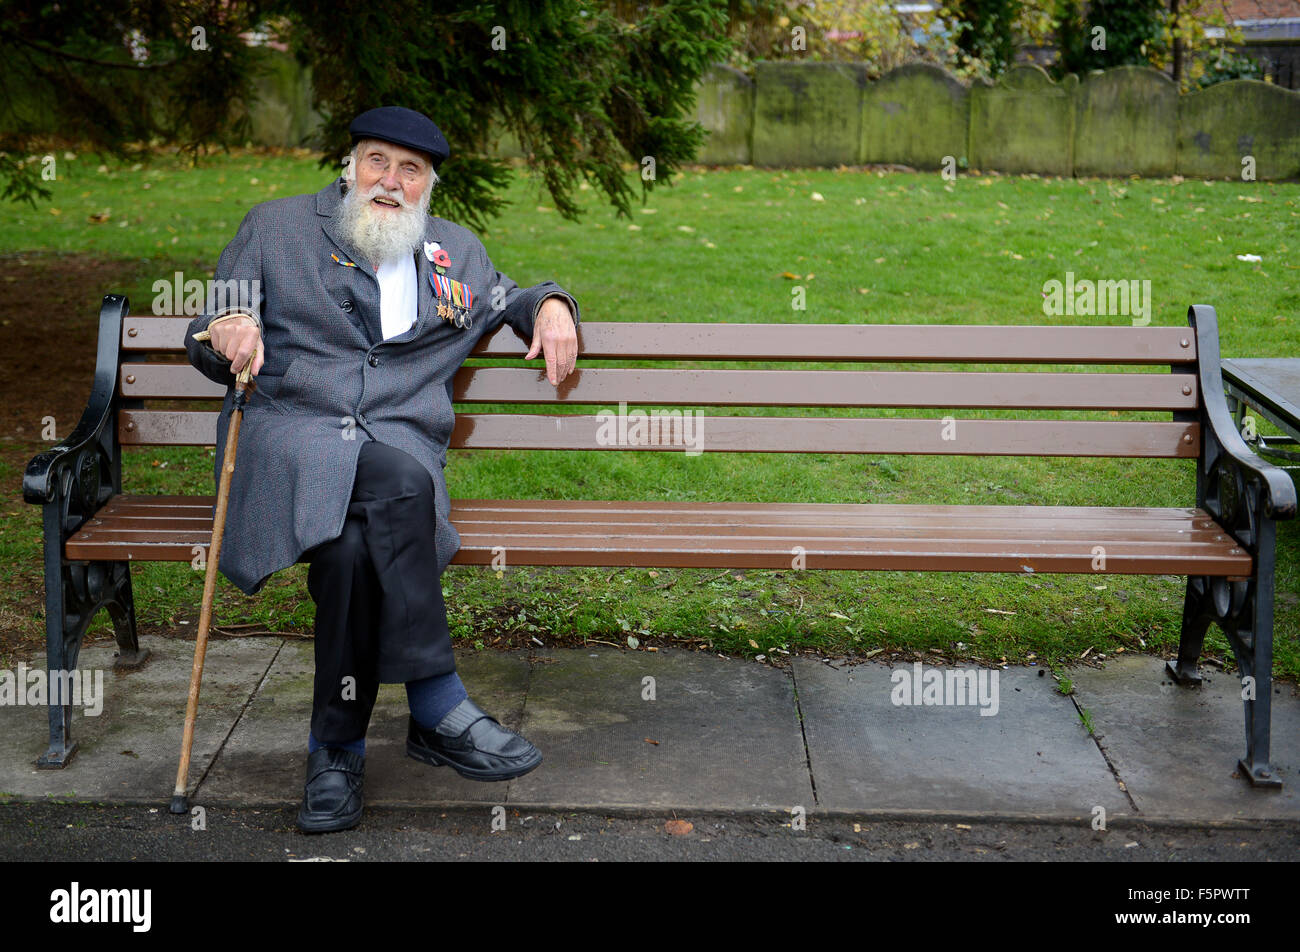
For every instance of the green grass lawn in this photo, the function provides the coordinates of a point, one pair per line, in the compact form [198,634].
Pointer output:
[731,245]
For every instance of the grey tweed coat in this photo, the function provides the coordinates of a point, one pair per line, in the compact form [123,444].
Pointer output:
[330,380]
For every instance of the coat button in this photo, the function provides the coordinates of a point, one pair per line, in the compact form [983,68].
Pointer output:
[347,306]
[372,360]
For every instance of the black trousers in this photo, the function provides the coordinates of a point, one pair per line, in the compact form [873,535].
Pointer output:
[380,617]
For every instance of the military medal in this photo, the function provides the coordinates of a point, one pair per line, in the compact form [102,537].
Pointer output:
[455,299]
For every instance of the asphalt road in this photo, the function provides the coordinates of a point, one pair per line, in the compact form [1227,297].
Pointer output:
[78,833]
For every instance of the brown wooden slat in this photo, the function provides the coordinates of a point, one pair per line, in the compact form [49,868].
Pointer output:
[758,435]
[636,552]
[918,526]
[1071,522]
[821,511]
[677,540]
[696,551]
[124,502]
[918,343]
[133,528]
[143,332]
[831,388]
[143,526]
[841,435]
[821,519]
[168,381]
[132,502]
[921,528]
[1045,391]
[167,427]
[617,540]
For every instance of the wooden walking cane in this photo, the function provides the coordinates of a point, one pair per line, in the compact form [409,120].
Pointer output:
[180,803]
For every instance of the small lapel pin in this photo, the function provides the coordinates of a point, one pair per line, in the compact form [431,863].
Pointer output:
[430,247]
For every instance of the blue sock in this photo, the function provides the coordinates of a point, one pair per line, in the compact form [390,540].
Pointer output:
[357,747]
[431,699]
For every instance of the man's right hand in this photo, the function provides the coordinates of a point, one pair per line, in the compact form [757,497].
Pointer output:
[237,340]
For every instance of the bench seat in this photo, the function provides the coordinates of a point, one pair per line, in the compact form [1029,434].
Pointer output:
[1136,541]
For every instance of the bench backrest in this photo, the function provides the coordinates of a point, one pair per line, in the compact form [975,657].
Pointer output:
[1055,368]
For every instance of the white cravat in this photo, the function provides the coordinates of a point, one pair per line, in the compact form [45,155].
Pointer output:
[398,296]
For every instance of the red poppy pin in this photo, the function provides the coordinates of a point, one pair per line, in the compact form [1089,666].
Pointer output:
[437,255]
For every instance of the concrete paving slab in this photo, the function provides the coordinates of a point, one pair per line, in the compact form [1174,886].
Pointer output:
[727,731]
[129,752]
[1032,758]
[1177,748]
[265,760]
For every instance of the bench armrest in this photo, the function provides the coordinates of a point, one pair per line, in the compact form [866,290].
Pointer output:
[1279,491]
[88,456]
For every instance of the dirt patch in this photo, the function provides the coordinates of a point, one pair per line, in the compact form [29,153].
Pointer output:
[49,331]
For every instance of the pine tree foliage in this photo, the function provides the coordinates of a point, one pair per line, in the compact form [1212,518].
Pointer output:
[589,88]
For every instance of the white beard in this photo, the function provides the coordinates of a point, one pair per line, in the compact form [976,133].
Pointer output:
[381,237]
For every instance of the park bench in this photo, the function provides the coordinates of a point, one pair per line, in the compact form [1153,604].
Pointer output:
[1224,543]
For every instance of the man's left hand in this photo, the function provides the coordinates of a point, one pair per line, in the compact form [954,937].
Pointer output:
[555,335]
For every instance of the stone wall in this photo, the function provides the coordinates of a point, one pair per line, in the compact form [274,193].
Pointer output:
[725,107]
[916,115]
[1023,123]
[807,113]
[1221,125]
[1125,121]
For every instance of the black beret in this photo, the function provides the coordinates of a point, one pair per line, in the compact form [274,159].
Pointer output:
[403,127]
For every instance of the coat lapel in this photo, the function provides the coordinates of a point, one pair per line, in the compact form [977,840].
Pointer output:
[423,269]
[327,202]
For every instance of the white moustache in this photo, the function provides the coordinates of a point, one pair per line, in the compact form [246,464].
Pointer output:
[378,191]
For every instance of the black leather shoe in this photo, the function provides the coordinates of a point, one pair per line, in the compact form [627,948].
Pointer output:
[473,744]
[332,797]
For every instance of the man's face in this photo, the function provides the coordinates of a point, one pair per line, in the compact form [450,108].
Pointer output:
[394,169]
[386,208]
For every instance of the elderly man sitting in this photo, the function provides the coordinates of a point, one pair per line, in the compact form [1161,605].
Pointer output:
[358,309]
